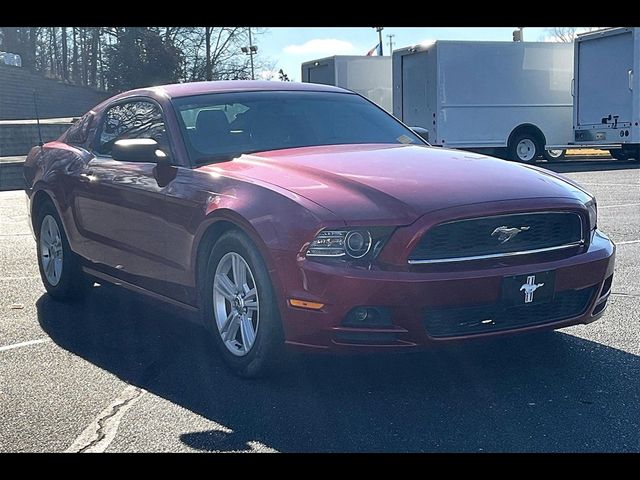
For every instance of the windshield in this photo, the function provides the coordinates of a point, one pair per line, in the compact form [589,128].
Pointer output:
[221,126]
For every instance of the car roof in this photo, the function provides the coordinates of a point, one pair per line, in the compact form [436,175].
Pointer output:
[177,90]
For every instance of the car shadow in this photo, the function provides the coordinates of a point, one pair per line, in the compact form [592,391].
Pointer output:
[549,392]
[571,166]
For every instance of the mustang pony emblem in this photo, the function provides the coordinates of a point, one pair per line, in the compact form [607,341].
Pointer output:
[505,233]
[530,287]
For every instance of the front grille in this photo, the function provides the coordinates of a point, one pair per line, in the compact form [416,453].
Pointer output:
[456,321]
[466,239]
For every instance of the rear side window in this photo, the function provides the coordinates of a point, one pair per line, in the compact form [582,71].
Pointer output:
[136,119]
[78,132]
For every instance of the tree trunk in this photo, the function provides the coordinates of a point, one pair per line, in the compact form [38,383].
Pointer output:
[56,58]
[65,67]
[74,65]
[51,59]
[207,43]
[84,53]
[29,60]
[95,34]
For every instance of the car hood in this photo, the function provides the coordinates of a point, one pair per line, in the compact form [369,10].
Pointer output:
[394,183]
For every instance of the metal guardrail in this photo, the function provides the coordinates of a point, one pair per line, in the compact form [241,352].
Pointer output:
[43,121]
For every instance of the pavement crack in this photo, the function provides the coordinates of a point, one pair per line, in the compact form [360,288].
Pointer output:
[101,432]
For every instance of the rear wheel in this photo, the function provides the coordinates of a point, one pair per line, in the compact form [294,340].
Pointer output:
[618,154]
[524,147]
[554,155]
[631,152]
[60,268]
[240,308]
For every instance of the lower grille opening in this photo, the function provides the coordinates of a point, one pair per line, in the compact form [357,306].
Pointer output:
[457,321]
[370,338]
[606,286]
[600,307]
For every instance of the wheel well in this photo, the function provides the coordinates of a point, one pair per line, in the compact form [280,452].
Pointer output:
[530,129]
[39,198]
[209,238]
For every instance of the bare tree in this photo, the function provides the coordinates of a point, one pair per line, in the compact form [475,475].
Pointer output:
[79,54]
[568,34]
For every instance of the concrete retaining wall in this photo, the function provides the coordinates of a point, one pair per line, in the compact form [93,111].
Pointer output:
[18,138]
[55,99]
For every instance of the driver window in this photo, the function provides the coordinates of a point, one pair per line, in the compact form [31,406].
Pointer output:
[137,119]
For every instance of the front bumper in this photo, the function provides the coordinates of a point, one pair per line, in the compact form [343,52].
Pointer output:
[409,294]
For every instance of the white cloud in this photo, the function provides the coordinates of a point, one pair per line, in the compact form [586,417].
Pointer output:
[322,46]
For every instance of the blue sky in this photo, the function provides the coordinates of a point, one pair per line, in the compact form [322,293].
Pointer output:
[289,47]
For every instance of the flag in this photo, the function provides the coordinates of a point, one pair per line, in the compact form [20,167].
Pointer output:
[377,50]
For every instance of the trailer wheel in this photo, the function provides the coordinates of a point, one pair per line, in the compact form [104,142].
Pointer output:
[618,154]
[626,153]
[524,147]
[555,155]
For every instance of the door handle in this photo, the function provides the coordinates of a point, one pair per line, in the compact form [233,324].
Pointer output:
[630,79]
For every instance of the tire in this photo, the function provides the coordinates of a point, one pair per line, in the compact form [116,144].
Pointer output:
[631,152]
[555,155]
[524,147]
[253,343]
[60,268]
[618,154]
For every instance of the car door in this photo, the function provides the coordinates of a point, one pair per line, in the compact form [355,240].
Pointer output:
[134,218]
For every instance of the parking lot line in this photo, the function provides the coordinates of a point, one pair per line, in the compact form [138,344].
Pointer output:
[611,184]
[23,277]
[619,205]
[24,344]
[628,242]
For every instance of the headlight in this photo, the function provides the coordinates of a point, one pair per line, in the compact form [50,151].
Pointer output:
[352,243]
[592,207]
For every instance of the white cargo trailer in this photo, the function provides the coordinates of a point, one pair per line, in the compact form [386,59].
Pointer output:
[510,98]
[368,76]
[606,108]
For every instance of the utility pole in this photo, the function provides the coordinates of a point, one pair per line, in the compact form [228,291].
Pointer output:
[251,50]
[253,77]
[379,30]
[390,37]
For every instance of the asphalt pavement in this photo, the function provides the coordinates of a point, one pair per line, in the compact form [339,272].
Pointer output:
[120,373]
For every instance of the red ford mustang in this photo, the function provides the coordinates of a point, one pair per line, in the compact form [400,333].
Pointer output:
[304,215]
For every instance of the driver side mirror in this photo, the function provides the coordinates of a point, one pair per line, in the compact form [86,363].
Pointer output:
[421,132]
[139,150]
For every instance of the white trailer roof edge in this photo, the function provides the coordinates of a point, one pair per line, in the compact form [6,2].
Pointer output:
[605,32]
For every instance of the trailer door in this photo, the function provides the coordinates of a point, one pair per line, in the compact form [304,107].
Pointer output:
[415,85]
[603,79]
[323,73]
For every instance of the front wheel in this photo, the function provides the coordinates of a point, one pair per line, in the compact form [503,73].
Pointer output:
[240,308]
[59,267]
[524,147]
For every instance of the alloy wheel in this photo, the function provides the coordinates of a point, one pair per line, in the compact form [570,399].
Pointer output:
[51,253]
[235,304]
